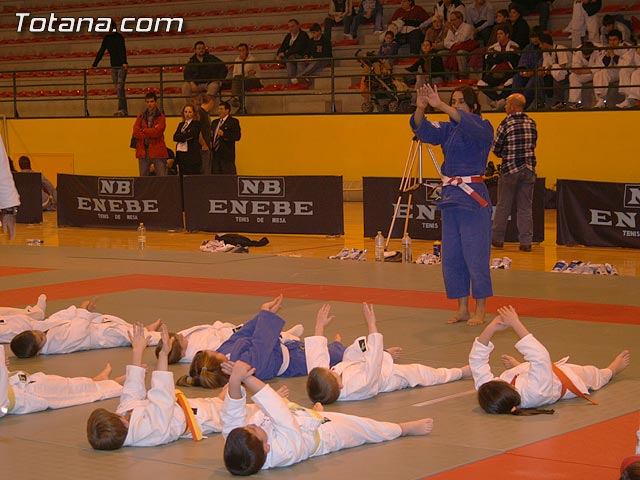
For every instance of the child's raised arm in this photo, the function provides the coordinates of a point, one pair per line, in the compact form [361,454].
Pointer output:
[163,354]
[323,318]
[241,372]
[370,317]
[510,318]
[496,325]
[138,343]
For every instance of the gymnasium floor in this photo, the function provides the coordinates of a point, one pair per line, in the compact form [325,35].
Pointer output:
[591,318]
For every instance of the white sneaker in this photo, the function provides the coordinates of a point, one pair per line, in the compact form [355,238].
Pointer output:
[599,104]
[362,257]
[611,269]
[506,263]
[495,263]
[353,254]
[572,266]
[224,248]
[341,254]
[421,259]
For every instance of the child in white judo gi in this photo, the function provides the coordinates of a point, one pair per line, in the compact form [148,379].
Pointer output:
[282,433]
[366,368]
[21,392]
[537,381]
[630,467]
[16,320]
[74,329]
[149,418]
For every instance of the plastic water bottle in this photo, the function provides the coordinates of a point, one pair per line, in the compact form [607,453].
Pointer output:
[142,236]
[437,248]
[379,247]
[406,249]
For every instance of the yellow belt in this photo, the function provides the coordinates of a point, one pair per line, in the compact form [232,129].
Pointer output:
[192,423]
[316,434]
[12,399]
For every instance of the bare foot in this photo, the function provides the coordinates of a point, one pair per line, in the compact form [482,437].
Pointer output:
[104,374]
[460,316]
[154,326]
[337,338]
[395,352]
[417,427]
[120,379]
[477,319]
[283,391]
[318,407]
[508,361]
[89,304]
[621,362]
[466,371]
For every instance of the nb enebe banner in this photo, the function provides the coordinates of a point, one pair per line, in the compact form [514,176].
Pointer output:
[119,202]
[598,214]
[297,204]
[29,186]
[380,195]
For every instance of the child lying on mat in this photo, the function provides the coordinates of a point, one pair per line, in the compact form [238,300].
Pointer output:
[16,320]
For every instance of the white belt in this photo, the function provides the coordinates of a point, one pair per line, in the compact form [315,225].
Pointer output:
[286,359]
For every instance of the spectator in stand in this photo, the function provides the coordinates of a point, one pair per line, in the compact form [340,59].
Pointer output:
[446,7]
[436,33]
[187,138]
[319,53]
[527,80]
[481,15]
[556,60]
[584,21]
[581,73]
[245,76]
[148,130]
[389,48]
[49,193]
[114,44]
[406,22]
[204,105]
[293,47]
[203,73]
[609,23]
[459,40]
[630,78]
[519,27]
[340,12]
[430,65]
[499,68]
[501,19]
[541,7]
[607,71]
[368,11]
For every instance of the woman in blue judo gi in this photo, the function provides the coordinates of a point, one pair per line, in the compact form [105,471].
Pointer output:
[466,208]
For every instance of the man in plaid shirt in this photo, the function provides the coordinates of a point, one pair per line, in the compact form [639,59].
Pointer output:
[515,144]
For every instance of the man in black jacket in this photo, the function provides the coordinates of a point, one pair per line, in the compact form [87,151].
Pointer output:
[226,132]
[203,73]
[294,46]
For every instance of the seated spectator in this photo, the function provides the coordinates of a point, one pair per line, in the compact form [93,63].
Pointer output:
[188,159]
[203,73]
[294,47]
[607,71]
[389,48]
[459,40]
[630,78]
[609,23]
[519,27]
[581,73]
[481,15]
[499,68]
[556,60]
[244,76]
[340,12]
[319,53]
[584,20]
[436,33]
[444,8]
[527,80]
[501,19]
[405,22]
[49,193]
[541,7]
[430,65]
[368,11]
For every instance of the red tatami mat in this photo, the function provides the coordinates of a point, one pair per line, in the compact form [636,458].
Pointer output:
[8,271]
[593,453]
[541,308]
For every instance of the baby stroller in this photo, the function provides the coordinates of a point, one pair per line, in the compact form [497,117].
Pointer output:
[379,88]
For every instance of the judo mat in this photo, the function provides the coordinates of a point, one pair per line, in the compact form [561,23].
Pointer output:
[590,318]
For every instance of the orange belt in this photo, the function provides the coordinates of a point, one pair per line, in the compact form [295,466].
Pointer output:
[566,382]
[192,424]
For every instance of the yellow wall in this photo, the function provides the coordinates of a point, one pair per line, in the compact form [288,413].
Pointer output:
[585,146]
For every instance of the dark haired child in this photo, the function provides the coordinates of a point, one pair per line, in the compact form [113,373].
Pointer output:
[21,392]
[537,381]
[283,433]
[16,320]
[367,369]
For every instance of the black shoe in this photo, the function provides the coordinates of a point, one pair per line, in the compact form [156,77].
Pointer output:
[497,244]
[525,248]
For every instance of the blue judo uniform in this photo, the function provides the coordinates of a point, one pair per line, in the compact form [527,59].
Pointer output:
[258,344]
[466,225]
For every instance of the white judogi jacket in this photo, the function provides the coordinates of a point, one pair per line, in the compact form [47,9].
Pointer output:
[37,392]
[78,329]
[16,320]
[205,337]
[536,382]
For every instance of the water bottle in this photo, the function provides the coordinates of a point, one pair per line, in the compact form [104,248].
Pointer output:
[437,248]
[406,249]
[142,236]
[379,247]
